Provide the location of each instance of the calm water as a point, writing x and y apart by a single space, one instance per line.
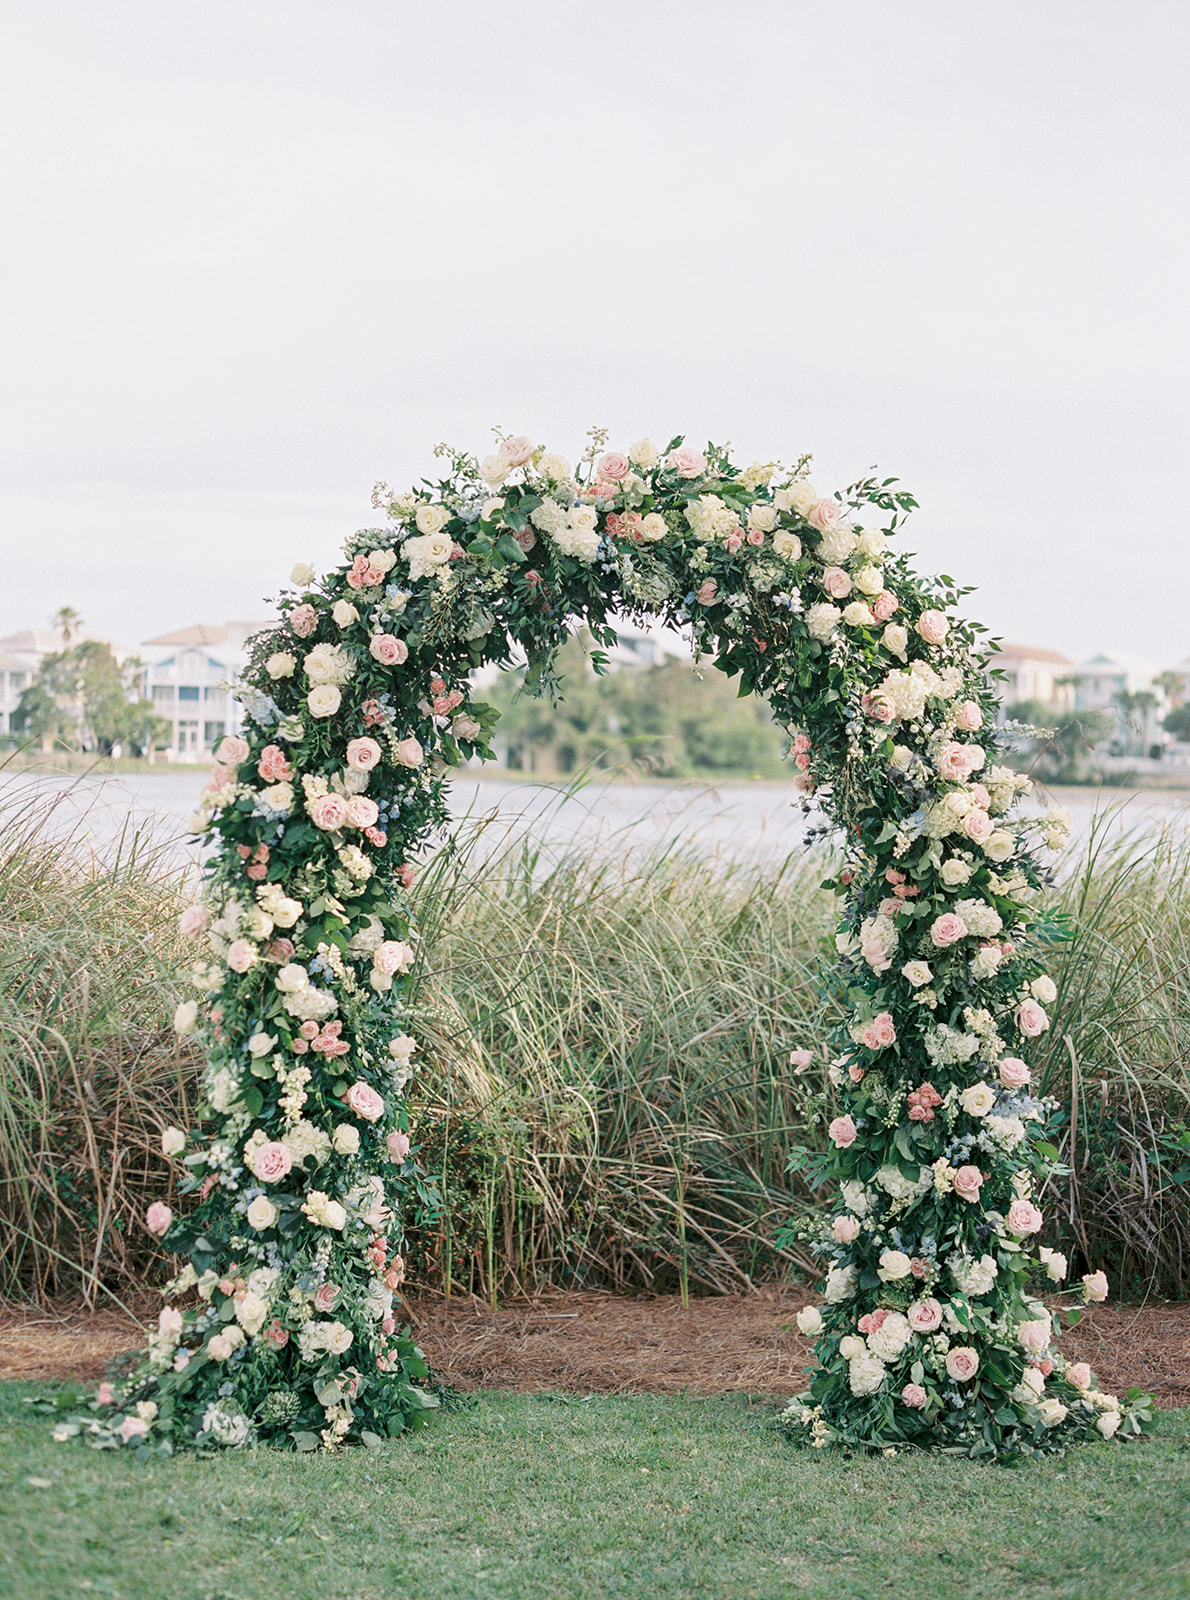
756 820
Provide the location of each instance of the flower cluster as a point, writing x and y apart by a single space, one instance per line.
281 1324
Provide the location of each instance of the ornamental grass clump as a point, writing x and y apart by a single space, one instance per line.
300 1172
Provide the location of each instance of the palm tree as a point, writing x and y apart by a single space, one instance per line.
68 623
1174 685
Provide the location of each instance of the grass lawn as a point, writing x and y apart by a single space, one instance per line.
557 1497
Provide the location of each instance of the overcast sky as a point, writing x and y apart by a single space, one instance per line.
263 252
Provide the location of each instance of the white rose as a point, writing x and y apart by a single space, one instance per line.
1108 1423
894 1265
554 466
430 519
850 1346
583 518
281 665
324 701
262 1213
1044 989
291 978
802 495
872 543
644 454
918 973
787 545
998 846
344 613
1056 1264
858 615
336 1338
869 580
653 527
346 1139
173 1141
494 469
955 872
490 508
895 640
186 1018
260 1044
251 1311
978 1100
382 560
763 516
302 574
1052 1410
278 797
810 1322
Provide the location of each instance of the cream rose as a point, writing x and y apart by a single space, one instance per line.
324 701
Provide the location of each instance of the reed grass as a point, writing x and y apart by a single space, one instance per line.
604 1094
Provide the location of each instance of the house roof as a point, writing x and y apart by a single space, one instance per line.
1029 652
199 633
46 641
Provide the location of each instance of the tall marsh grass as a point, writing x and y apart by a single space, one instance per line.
604 1094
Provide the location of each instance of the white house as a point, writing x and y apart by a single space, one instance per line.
1112 674
1031 673
188 675
21 655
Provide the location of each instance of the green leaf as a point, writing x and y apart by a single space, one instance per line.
507 547
371 1440
306 1441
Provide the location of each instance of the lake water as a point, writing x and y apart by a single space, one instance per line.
734 821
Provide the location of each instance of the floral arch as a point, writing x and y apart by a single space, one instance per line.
358 705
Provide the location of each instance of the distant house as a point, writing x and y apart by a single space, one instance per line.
21 655
189 676
1108 681
1032 673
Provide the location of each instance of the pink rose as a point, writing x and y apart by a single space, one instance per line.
884 605
232 750
924 1316
1023 1218
843 1132
364 1101
241 956
273 765
362 811
612 465
1095 1287
1014 1074
363 754
755 536
954 761
105 1395
1031 1019
329 812
978 826
969 717
1079 1374
193 920
948 929
801 743
883 1030
800 1059
276 1335
686 462
326 1297
914 1395
1035 1336
967 1183
836 583
393 955
962 1363
516 450
271 1161
526 538
388 649
397 1145
158 1218
707 590
933 627
409 753
133 1428
825 515
845 1230
303 620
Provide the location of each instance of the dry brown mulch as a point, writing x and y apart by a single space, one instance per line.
588 1342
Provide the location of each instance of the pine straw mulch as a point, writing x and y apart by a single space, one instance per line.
584 1342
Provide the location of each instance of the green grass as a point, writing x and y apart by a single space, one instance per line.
549 1498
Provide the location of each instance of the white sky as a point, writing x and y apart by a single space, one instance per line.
261 253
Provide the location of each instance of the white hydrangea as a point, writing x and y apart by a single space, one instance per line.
946 1046
865 1374
889 1340
982 920
841 1284
902 1189
822 620
711 518
549 517
310 1004
973 1278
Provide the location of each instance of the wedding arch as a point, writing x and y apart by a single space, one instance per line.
358 705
